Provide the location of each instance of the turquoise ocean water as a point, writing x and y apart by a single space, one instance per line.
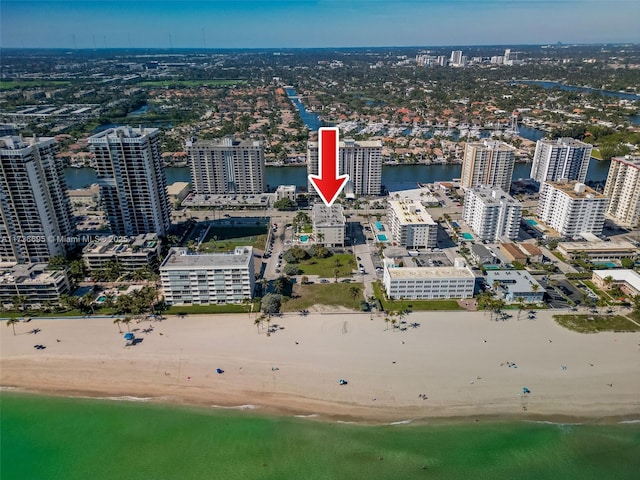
63 438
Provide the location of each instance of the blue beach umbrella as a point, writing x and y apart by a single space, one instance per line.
129 336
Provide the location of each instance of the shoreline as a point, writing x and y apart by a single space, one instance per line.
457 360
284 412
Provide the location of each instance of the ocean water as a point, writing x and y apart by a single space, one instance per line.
70 438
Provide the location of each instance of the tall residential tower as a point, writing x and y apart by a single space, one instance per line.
489 163
623 188
35 213
226 165
361 160
132 181
564 158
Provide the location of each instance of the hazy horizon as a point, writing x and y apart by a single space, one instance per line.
276 24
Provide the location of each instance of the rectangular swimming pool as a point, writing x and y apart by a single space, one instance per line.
382 237
467 236
531 222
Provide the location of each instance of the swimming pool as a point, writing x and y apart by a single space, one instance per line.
101 299
382 237
467 236
455 224
531 222
379 226
605 264
304 238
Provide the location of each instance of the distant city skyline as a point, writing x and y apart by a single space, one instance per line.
313 23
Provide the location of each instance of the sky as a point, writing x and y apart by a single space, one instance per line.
313 23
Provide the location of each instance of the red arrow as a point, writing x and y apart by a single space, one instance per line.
328 183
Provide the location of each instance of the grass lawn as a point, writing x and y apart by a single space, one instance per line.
191 83
335 294
324 267
198 309
559 256
227 239
447 304
596 323
8 85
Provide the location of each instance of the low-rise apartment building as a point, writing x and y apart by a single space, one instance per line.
598 251
428 282
329 225
627 280
33 283
204 279
513 285
132 253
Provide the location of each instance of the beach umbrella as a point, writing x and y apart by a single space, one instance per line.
219 370
129 336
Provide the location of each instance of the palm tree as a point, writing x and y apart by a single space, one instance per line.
354 292
12 323
386 321
520 301
336 272
127 321
258 322
117 322
608 280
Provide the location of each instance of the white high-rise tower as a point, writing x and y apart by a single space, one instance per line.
564 158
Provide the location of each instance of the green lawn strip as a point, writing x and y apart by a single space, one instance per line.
8 85
324 267
595 289
191 83
199 309
229 245
559 256
395 305
596 323
333 294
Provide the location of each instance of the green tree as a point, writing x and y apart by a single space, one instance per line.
354 291
627 262
284 204
12 323
126 321
271 303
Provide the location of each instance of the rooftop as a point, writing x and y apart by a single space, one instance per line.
121 132
629 276
493 196
176 188
575 189
514 280
350 143
224 142
632 161
328 216
112 245
430 272
16 143
411 212
32 273
600 246
564 141
493 145
182 258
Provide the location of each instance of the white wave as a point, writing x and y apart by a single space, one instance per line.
402 422
547 422
629 421
346 423
237 407
124 398
313 415
8 389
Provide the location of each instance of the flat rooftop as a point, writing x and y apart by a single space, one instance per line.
514 280
621 245
112 245
176 188
25 274
493 196
347 143
430 272
181 259
324 216
225 142
631 161
629 276
576 190
411 212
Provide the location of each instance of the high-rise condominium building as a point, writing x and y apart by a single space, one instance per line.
623 188
132 180
572 208
564 158
226 165
361 160
488 163
491 213
35 213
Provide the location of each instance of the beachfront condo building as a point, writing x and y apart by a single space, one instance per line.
571 208
329 224
132 180
131 253
513 285
361 160
411 225
33 285
492 213
488 163
226 166
564 158
623 188
428 282
204 279
36 221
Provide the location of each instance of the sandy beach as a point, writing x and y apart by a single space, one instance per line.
454 364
